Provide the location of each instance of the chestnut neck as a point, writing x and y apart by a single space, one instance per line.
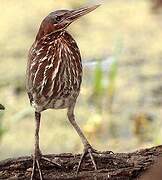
45 28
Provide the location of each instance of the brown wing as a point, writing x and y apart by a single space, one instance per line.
54 68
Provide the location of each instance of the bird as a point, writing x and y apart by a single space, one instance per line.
54 76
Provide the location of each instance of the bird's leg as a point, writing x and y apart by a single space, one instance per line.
87 147
37 152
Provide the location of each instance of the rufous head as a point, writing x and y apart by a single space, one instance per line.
61 19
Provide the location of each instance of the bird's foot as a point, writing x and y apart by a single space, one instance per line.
102 152
36 164
92 152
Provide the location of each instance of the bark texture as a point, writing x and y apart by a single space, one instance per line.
118 166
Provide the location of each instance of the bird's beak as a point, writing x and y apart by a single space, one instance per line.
77 13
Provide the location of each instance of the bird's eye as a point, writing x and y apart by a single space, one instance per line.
58 18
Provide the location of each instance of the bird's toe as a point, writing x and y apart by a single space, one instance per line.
87 151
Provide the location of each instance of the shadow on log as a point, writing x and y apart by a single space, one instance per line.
121 166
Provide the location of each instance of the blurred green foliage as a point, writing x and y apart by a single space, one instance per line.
113 73
98 79
105 77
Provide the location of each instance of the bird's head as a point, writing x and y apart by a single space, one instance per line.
61 19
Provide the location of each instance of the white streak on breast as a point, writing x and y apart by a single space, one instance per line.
58 65
36 73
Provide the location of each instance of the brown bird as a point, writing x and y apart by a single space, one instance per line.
54 75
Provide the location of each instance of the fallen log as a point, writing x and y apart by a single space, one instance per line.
121 166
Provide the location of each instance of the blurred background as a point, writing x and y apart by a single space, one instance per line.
119 107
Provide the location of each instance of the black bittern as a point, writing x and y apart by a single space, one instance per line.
54 74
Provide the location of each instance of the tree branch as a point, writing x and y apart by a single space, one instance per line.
121 166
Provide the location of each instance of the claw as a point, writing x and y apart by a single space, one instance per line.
33 170
39 169
89 150
102 152
50 161
36 163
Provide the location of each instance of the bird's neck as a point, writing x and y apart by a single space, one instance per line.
47 31
54 35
